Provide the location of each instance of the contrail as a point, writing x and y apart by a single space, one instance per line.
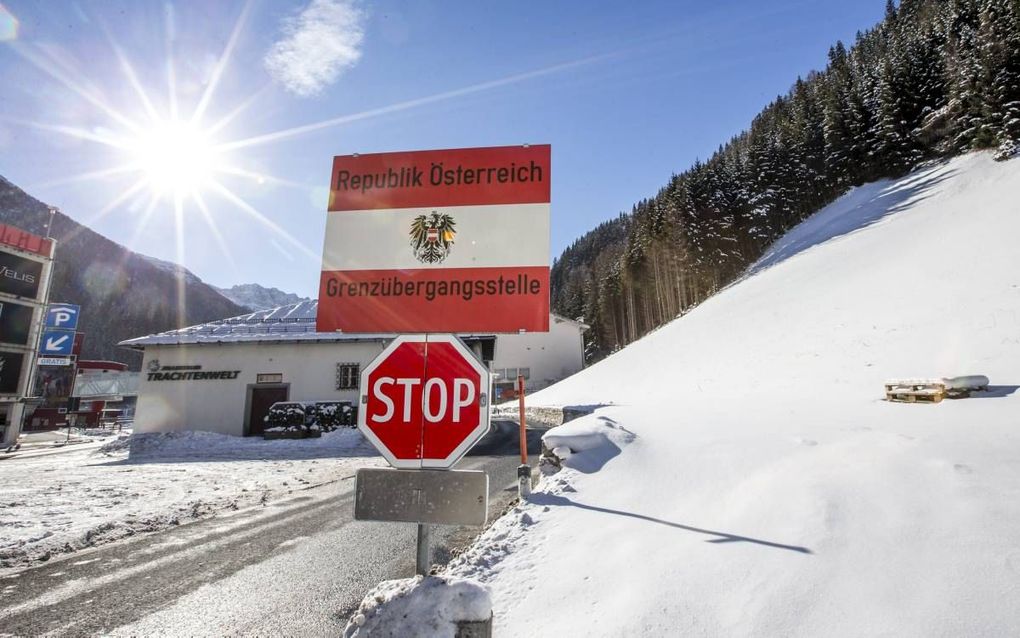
410 104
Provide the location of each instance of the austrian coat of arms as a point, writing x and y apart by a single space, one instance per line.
432 237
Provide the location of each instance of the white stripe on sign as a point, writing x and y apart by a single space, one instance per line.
486 236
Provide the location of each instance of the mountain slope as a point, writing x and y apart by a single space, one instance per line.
122 294
933 79
770 490
255 297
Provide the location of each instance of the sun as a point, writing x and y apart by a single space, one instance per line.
175 157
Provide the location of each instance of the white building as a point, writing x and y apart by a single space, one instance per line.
223 376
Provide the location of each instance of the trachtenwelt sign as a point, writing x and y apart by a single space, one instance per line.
157 372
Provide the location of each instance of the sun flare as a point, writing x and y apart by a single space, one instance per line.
175 158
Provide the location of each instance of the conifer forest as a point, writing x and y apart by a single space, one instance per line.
934 78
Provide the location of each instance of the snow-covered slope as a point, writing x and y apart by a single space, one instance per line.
769 489
256 297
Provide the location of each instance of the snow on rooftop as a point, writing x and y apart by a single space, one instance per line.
293 322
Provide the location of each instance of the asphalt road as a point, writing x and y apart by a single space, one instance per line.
294 567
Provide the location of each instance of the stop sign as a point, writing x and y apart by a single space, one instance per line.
424 401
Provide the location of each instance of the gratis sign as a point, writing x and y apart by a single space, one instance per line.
438 241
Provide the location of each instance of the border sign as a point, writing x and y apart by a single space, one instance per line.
438 241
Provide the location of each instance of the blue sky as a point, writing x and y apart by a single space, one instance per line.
627 93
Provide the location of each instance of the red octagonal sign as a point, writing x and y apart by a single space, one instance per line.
424 401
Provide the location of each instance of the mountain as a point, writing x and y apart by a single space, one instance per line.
255 297
934 79
122 294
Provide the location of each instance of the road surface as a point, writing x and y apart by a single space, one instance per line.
294 567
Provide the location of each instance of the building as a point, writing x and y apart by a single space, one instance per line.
223 376
57 403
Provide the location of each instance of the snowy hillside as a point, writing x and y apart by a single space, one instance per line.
256 297
769 490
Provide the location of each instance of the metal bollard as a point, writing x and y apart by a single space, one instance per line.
524 481
474 628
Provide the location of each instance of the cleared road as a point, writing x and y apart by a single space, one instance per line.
295 567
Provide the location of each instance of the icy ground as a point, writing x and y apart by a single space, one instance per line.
750 480
64 502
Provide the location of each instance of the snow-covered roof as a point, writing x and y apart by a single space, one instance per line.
293 322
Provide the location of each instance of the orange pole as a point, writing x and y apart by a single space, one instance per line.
520 403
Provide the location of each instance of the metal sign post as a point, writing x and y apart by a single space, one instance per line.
477 262
424 497
523 470
424 404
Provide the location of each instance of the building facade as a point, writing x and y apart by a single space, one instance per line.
223 376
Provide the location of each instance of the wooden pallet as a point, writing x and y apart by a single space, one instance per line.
915 390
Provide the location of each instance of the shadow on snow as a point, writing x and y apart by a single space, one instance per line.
720 537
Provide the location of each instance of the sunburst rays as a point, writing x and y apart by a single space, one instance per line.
166 116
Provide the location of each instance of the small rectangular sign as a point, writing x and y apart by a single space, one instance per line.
54 361
19 275
436 497
15 322
453 240
56 342
271 377
24 240
10 371
63 316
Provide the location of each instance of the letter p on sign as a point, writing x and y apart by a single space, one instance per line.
63 316
424 401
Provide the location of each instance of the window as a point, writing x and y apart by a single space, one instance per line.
347 376
525 372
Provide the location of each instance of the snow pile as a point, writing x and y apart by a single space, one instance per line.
770 489
426 607
586 444
198 445
60 503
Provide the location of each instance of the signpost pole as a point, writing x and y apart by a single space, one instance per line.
524 470
421 563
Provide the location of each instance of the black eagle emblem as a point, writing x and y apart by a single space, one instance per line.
432 237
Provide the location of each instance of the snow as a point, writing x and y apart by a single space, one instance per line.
425 607
586 444
60 503
256 297
768 488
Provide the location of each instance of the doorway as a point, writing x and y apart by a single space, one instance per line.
260 398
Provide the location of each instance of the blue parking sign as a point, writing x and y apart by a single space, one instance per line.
56 343
63 316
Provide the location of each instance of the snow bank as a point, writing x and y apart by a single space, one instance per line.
195 444
586 444
61 503
770 490
426 607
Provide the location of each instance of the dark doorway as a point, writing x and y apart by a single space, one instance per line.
262 397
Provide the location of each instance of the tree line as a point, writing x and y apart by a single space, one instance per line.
934 78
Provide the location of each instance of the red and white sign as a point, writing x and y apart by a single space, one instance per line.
438 241
424 401
24 240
